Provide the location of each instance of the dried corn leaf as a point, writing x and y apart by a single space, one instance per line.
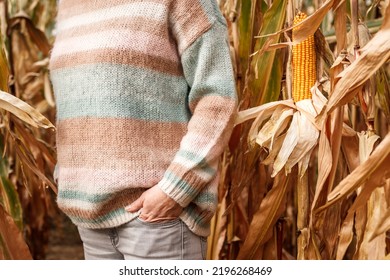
274 127
350 148
48 91
288 146
383 225
4 71
273 153
33 88
265 110
301 129
303 164
360 227
39 147
365 192
39 65
376 204
307 137
36 35
372 201
310 25
28 160
330 230
383 92
338 61
374 171
318 99
15 245
42 106
346 236
304 29
324 166
28 77
352 79
23 111
218 233
261 226
374 248
366 144
348 131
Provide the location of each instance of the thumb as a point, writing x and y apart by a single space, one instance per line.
136 205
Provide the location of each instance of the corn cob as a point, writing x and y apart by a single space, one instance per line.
304 64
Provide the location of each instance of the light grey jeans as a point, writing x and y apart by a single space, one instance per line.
137 240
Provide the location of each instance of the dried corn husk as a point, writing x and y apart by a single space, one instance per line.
287 130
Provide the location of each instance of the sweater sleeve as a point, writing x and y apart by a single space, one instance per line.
212 101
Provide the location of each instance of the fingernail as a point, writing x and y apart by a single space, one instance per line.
128 208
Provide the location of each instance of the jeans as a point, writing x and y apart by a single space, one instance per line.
140 240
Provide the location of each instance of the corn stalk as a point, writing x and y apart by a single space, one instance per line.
260 204
26 139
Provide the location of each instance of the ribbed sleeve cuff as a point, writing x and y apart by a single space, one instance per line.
181 190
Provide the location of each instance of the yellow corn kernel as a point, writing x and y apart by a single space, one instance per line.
304 64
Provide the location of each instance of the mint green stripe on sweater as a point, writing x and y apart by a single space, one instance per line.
196 218
202 198
82 196
208 69
197 160
181 186
206 198
101 219
91 90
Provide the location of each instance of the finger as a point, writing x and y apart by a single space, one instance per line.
135 206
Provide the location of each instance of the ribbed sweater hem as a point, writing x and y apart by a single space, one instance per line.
116 221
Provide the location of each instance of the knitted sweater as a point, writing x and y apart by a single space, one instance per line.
145 96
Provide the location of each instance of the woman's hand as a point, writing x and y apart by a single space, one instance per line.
155 206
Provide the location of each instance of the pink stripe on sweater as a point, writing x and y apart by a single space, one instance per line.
77 7
151 10
186 28
104 157
118 39
106 180
126 134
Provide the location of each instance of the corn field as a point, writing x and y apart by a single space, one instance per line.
306 174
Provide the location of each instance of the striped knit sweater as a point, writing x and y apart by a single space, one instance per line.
145 96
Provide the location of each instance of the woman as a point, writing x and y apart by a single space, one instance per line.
145 99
